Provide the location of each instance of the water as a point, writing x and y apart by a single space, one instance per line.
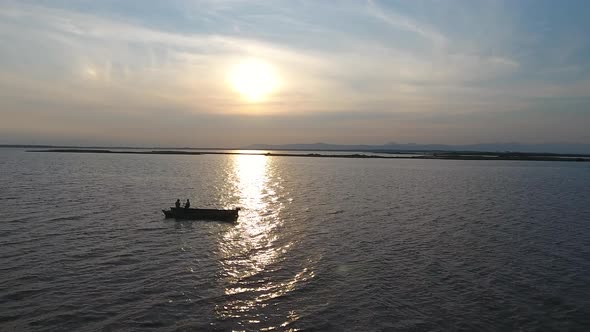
321 244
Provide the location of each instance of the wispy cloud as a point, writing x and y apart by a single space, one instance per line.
369 57
406 23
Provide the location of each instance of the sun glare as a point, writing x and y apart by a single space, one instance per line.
254 79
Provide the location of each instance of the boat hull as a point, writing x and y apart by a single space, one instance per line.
202 214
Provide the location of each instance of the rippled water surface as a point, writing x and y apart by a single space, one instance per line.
320 244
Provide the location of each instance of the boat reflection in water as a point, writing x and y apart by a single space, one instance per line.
253 253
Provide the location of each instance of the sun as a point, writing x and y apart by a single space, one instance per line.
254 79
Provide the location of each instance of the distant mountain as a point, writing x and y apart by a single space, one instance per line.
408 147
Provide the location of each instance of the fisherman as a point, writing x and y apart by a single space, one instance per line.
177 204
187 204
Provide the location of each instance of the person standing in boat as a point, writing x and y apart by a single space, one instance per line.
187 204
177 204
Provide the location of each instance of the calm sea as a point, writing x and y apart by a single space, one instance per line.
320 245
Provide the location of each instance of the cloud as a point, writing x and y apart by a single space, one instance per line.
406 23
188 67
362 58
106 56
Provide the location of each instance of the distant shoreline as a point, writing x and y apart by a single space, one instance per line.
435 155
545 149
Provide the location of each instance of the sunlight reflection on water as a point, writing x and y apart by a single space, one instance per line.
254 248
322 244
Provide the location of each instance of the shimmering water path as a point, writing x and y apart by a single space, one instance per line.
321 244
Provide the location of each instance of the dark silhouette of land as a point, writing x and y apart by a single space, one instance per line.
562 148
445 155
117 151
398 148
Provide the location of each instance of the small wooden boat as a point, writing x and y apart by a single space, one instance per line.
202 214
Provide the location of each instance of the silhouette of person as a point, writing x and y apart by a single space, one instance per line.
177 204
187 204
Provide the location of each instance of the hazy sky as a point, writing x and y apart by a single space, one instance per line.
163 73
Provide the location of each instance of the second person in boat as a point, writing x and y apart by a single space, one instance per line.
187 204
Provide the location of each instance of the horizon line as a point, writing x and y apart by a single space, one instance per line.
405 147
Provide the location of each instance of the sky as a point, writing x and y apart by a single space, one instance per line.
229 73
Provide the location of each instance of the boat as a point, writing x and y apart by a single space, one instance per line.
202 214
